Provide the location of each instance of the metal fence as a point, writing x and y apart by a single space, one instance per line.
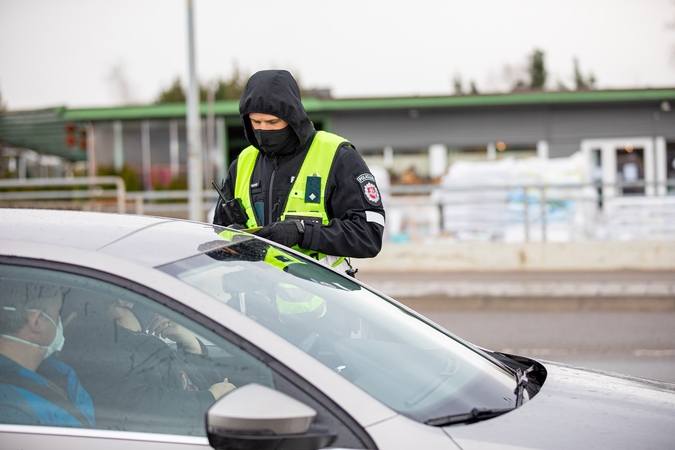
106 194
536 212
38 190
511 213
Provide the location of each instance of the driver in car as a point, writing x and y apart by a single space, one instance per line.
139 378
35 387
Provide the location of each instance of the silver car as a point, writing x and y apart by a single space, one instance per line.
185 335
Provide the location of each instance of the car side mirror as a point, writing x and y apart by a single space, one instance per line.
258 417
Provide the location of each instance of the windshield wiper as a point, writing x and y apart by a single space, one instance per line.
478 414
475 415
521 381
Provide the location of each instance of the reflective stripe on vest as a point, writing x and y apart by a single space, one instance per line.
278 258
318 162
298 303
291 300
245 164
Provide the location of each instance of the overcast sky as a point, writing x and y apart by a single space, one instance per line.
80 53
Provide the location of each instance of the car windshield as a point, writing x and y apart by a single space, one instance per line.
411 366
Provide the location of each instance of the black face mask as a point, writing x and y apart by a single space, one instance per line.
276 142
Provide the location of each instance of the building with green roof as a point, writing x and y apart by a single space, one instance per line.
394 132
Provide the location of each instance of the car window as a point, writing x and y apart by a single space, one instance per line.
127 363
414 368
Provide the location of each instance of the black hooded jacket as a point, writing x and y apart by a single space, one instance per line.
353 206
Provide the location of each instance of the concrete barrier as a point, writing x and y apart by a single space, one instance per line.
533 256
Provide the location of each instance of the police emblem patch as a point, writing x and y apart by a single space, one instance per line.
372 194
369 188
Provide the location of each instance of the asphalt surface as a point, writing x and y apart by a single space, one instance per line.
613 321
551 291
634 343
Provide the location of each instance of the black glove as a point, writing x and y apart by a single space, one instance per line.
288 232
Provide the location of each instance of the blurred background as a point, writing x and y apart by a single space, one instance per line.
525 149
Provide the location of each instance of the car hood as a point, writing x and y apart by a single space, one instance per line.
581 408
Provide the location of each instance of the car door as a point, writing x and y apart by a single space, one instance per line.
150 365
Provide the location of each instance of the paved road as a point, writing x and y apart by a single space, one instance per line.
523 277
616 321
634 343
566 290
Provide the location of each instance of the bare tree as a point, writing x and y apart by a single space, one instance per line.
581 82
119 84
457 84
514 76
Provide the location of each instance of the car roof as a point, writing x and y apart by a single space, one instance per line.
149 241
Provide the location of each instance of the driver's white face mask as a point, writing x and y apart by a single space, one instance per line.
57 342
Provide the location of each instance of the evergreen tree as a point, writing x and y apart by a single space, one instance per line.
231 88
173 94
537 70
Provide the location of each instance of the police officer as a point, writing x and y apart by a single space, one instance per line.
306 189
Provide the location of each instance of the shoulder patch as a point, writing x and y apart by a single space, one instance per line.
369 189
365 177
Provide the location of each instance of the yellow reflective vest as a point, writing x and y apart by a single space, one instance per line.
301 202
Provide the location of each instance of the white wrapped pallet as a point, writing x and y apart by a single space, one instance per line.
486 199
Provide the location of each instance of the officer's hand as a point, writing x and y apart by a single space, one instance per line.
285 233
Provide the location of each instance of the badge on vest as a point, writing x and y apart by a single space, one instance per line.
313 189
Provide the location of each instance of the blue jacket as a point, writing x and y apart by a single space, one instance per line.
19 406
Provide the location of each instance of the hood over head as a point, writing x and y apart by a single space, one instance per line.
277 93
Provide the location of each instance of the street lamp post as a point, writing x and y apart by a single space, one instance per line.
194 140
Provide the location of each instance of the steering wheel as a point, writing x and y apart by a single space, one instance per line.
444 376
311 344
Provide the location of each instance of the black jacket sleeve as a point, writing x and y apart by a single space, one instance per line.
354 203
